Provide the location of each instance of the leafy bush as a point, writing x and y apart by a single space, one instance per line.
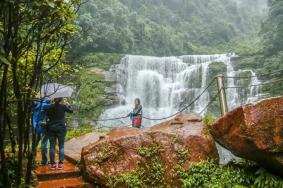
100 60
148 174
131 179
235 175
91 84
265 179
209 174
208 119
76 132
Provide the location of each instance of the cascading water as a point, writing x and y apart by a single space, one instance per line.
166 84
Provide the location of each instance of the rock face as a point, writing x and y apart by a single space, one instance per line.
254 132
148 157
74 146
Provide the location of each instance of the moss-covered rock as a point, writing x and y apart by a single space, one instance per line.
148 157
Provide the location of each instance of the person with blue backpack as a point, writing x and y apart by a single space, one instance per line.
39 127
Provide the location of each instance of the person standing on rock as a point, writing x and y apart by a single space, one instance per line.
136 114
56 130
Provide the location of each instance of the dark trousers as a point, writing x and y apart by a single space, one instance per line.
43 138
53 136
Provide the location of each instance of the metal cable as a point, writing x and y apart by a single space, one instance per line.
210 102
186 107
110 119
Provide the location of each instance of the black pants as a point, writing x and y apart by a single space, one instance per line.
54 135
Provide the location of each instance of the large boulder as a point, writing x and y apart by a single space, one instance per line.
254 132
74 146
149 157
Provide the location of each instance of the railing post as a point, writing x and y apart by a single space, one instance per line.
222 94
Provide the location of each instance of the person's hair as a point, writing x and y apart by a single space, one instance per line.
139 101
57 100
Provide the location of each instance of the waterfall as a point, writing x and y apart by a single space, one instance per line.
166 84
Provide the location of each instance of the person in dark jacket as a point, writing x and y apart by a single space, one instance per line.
136 114
39 127
56 130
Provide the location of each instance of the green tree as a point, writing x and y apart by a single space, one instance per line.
33 37
165 27
272 30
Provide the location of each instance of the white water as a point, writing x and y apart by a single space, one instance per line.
166 84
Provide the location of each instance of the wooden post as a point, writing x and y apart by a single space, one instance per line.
222 94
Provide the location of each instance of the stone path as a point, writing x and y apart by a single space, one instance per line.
69 177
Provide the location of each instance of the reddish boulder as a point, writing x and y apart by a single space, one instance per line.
254 132
74 146
148 157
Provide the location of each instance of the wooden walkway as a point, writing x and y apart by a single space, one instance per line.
69 177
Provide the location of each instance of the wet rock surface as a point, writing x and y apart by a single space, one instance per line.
254 132
74 146
152 156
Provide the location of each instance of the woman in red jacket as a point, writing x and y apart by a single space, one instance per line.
136 114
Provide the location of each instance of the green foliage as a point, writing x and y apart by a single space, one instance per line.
104 154
150 151
150 173
33 37
131 179
265 179
91 99
183 154
77 132
163 27
265 56
262 66
99 60
176 140
209 174
91 82
238 174
272 29
208 119
11 162
247 48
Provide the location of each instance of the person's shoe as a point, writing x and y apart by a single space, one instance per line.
52 166
60 166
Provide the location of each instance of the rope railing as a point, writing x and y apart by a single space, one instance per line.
190 104
167 117
210 102
110 119
184 108
196 99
